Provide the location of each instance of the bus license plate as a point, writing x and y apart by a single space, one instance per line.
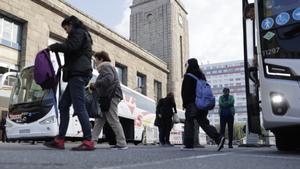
24 131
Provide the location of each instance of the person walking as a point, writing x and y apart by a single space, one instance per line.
166 108
3 128
188 94
226 111
109 91
77 72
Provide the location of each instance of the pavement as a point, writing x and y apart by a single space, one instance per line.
28 156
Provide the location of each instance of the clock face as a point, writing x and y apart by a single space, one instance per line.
180 20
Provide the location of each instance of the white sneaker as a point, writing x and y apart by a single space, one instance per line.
119 147
221 143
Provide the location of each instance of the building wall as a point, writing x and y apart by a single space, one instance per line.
161 27
232 76
41 20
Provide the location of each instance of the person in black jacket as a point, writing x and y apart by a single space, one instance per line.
166 108
77 71
188 94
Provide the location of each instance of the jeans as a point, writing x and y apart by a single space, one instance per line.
229 120
74 94
201 116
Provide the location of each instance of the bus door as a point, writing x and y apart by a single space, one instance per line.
251 69
7 81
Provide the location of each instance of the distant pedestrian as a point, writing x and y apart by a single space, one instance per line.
188 93
166 108
249 11
226 111
77 72
109 91
3 128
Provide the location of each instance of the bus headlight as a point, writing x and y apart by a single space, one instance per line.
48 120
277 99
279 103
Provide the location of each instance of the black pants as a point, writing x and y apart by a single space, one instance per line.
201 117
3 135
165 128
229 121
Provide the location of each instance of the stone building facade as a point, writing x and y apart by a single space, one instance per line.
27 26
161 27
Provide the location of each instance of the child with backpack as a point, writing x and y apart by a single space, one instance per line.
197 99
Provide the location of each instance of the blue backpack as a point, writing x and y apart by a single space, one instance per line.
205 100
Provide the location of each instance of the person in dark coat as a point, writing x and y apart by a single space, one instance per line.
166 108
77 71
188 94
3 128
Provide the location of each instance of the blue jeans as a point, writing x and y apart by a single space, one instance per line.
229 121
74 94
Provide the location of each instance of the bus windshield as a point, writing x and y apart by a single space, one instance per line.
275 7
279 28
26 90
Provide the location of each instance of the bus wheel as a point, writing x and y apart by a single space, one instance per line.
284 141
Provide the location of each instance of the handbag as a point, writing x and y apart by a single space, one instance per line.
92 105
176 118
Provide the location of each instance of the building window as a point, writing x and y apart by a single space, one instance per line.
141 83
181 55
10 33
122 73
157 90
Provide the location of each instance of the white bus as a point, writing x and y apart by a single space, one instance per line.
277 24
32 115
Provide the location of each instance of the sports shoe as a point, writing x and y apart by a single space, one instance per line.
221 143
57 143
86 145
168 145
230 146
187 148
119 147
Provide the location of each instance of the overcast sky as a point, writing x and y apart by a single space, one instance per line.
215 26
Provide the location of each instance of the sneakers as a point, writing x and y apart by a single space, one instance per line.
187 148
57 143
86 145
221 143
168 145
119 147
230 146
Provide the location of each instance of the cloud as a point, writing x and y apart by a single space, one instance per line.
215 29
123 26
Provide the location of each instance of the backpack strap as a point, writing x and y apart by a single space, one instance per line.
193 76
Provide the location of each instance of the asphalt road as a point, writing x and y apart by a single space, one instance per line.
27 156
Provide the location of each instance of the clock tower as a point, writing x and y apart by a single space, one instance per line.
161 27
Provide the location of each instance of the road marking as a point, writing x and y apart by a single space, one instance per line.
163 161
269 156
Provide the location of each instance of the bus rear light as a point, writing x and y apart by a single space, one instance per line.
279 103
48 120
